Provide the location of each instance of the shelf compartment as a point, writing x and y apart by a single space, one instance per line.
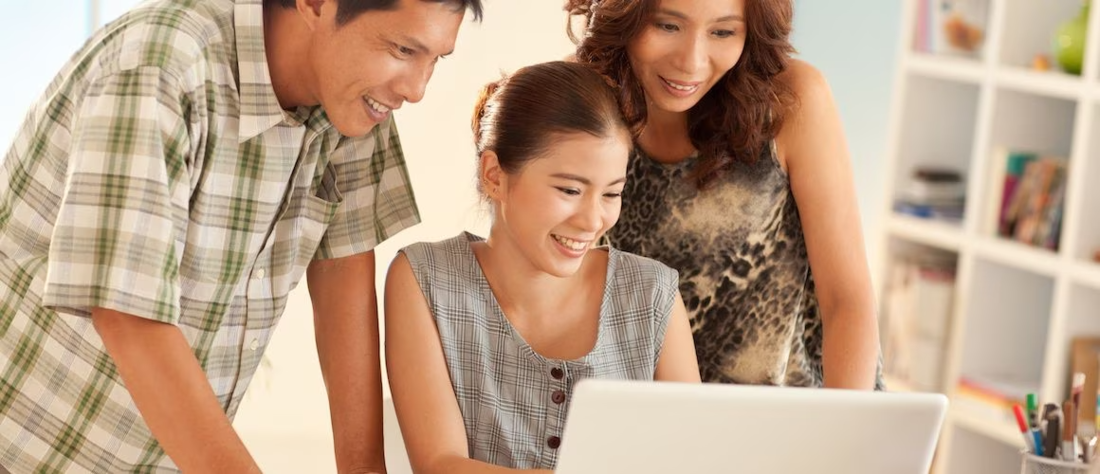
1007 316
942 115
1029 27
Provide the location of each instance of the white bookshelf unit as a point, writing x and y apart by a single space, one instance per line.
1016 307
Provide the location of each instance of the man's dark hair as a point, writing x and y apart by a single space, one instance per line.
348 10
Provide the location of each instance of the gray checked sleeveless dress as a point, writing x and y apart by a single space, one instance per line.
744 272
513 400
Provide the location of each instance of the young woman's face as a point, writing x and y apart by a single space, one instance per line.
687 47
559 205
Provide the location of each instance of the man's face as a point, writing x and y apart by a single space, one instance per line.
381 59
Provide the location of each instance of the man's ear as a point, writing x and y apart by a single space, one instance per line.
492 176
310 11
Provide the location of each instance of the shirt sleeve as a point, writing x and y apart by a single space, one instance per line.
378 197
118 236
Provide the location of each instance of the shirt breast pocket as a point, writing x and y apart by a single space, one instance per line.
299 233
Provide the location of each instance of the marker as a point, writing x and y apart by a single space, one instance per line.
1032 410
1029 440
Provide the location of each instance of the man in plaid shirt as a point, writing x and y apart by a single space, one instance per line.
180 175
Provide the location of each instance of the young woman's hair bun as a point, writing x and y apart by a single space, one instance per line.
483 106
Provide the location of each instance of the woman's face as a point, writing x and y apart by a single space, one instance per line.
687 48
555 208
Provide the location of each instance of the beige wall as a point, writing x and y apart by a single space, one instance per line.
285 416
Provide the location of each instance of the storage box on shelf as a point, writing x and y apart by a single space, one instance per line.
1022 289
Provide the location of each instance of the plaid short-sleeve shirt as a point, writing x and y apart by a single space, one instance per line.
159 177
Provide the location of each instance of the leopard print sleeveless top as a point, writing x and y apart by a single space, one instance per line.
744 272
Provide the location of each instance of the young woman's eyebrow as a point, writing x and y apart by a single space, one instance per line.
583 180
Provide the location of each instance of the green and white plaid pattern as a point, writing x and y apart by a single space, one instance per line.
159 177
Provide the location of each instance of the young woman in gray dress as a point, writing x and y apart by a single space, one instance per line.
486 338
740 180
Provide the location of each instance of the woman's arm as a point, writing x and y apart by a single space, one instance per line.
431 423
677 361
813 150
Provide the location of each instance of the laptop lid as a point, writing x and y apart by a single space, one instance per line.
654 427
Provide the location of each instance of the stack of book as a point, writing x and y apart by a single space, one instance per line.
933 193
1027 207
916 317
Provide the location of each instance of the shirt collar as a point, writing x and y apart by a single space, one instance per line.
259 108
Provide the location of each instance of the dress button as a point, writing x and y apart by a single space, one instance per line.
557 373
553 442
255 344
260 274
558 397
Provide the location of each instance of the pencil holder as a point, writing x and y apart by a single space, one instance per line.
1039 465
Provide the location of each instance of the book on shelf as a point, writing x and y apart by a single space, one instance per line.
918 303
932 192
950 27
1028 192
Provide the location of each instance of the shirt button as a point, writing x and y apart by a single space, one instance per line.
557 373
553 442
260 273
254 345
558 397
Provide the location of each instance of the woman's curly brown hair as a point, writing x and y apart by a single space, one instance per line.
739 116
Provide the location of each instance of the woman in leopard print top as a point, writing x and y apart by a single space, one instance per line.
741 180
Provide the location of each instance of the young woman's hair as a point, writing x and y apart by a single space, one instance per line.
519 116
737 118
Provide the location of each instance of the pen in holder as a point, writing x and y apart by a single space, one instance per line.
1040 465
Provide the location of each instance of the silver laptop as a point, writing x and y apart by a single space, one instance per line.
654 427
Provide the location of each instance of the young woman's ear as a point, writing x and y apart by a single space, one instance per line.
492 176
